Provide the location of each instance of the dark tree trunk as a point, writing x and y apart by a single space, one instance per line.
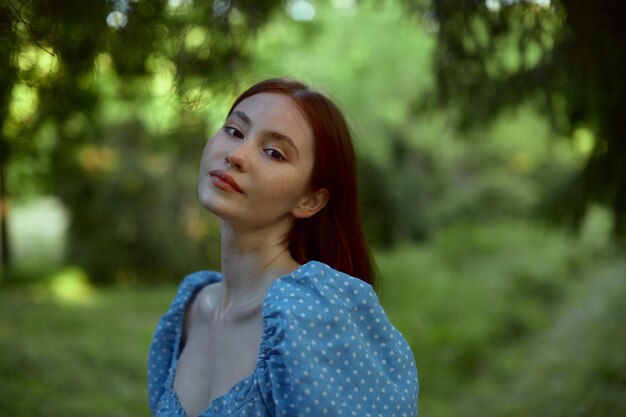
8 75
5 256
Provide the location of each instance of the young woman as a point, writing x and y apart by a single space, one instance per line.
284 329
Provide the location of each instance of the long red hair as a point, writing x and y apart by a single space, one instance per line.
335 234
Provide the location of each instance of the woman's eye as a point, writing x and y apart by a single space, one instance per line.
274 154
233 132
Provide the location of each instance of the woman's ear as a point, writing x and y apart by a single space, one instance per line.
311 204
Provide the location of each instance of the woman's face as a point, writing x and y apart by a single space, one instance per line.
255 170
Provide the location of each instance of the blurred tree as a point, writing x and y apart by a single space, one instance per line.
54 57
567 55
7 78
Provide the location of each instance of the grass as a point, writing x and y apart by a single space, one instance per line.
62 355
60 358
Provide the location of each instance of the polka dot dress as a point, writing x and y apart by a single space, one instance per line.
327 349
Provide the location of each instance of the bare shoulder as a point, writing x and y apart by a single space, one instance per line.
200 305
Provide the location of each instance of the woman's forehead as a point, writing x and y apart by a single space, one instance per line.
274 107
273 110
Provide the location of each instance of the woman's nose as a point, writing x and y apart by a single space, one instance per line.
237 158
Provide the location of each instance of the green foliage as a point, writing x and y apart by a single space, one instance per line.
509 280
573 367
141 218
494 55
78 100
509 317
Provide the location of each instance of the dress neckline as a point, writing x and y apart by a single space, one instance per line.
241 388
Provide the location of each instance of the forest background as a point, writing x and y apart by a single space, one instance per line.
490 137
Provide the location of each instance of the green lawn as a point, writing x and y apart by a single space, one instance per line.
60 359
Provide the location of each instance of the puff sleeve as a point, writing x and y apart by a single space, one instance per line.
331 350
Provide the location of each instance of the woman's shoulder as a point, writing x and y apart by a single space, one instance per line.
326 332
193 282
317 299
315 284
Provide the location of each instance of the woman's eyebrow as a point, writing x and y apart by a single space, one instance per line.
242 116
283 138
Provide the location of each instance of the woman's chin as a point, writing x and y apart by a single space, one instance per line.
217 210
210 206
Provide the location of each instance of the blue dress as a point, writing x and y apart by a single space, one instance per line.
327 349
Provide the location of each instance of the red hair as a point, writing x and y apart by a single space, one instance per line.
335 234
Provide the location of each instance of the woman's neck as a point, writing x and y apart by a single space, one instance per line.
251 261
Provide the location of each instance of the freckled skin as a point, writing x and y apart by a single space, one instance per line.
271 188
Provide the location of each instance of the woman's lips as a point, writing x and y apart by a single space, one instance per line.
224 182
